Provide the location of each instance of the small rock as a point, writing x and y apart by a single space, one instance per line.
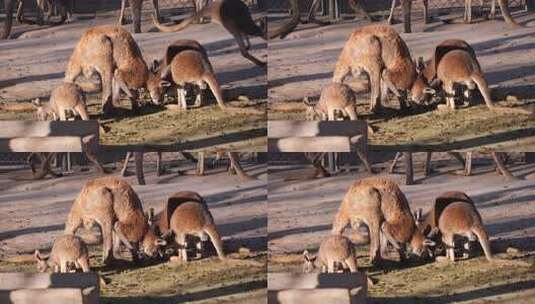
244 252
441 259
175 259
512 250
511 98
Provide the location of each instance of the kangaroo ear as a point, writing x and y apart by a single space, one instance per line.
36 102
430 91
165 83
420 64
433 232
429 243
160 242
154 66
306 101
41 257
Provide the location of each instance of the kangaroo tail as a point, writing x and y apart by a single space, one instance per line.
182 25
210 79
483 240
216 240
485 91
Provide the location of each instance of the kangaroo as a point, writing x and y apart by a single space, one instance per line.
395 3
462 219
111 52
161 220
458 66
112 204
185 62
382 206
189 216
234 16
66 97
379 51
42 17
427 81
335 96
334 250
67 250
135 7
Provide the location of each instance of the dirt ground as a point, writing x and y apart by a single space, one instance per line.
33 63
32 214
302 64
301 214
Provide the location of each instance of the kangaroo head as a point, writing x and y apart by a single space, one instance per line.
42 261
151 244
310 109
420 245
421 90
42 109
153 83
309 262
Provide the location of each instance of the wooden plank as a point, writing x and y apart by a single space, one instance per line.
311 296
291 128
311 144
282 281
409 173
45 296
42 144
10 129
81 280
138 158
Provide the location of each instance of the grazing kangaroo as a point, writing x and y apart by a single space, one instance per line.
185 62
427 81
135 8
335 96
67 250
379 51
335 250
113 54
66 97
190 216
234 16
380 204
459 66
462 219
112 204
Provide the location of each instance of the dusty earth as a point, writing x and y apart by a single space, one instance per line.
301 213
32 213
33 63
302 64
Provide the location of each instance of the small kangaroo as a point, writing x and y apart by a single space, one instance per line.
186 62
112 53
112 204
66 97
334 250
459 66
379 51
234 16
67 250
427 81
461 218
192 217
335 96
382 206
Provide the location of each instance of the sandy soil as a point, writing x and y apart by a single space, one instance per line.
33 64
302 64
32 213
301 214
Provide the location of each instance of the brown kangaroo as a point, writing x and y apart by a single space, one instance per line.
67 250
234 16
185 62
66 97
463 219
112 204
189 215
379 51
381 205
111 52
334 250
427 81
